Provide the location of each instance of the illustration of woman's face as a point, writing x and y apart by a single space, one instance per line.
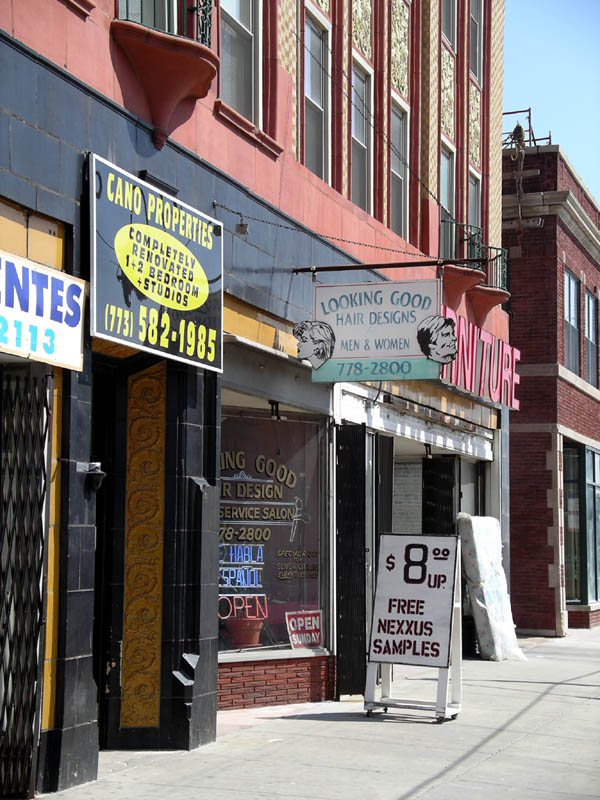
306 345
443 345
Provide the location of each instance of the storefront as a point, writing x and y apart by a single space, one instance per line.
420 467
274 548
313 471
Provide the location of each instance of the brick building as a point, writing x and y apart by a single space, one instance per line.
551 229
194 481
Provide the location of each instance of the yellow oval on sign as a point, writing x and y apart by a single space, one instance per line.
161 267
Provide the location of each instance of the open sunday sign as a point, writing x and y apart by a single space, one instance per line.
374 327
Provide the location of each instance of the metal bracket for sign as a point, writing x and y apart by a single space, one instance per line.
447 704
437 262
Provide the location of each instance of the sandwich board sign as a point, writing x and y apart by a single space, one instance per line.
416 616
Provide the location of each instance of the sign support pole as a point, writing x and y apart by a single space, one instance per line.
449 684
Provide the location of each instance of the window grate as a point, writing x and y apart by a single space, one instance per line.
24 426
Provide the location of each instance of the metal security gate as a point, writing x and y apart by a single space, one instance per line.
24 416
350 559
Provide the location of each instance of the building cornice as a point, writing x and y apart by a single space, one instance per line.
541 149
561 372
554 429
563 205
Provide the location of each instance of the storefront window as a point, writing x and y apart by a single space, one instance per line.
582 545
270 524
572 529
572 524
593 524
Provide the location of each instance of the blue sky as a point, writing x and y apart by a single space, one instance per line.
552 64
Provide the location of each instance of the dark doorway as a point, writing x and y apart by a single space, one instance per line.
350 558
109 438
440 494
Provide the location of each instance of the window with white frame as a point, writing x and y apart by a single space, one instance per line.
361 137
316 98
473 238
240 70
476 38
398 177
571 307
474 201
447 232
591 339
449 21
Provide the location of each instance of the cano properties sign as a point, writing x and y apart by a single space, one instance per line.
157 270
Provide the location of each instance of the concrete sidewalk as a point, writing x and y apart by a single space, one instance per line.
527 729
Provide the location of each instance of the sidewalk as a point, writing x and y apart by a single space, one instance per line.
528 730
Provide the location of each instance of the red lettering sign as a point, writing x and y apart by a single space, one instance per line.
484 365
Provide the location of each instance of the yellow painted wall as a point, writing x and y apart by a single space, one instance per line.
250 323
31 236
52 543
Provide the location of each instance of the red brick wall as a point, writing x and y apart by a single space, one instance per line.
584 619
531 598
533 287
538 396
537 259
555 176
578 411
278 682
546 181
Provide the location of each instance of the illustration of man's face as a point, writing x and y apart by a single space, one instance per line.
443 344
437 338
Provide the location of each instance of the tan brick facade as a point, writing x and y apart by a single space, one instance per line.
430 95
288 56
495 138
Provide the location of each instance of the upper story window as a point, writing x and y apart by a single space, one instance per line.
476 39
474 201
241 46
571 302
591 339
449 21
316 98
361 138
447 191
398 178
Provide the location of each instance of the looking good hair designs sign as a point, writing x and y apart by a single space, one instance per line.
377 331
157 270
